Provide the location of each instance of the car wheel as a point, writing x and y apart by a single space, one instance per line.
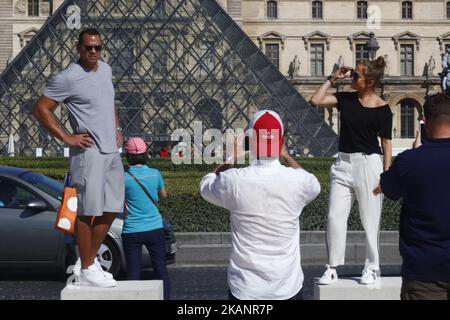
109 257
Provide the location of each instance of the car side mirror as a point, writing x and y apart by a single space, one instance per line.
36 205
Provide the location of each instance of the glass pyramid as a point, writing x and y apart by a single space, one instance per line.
174 62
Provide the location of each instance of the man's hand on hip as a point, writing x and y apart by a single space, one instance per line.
81 141
119 139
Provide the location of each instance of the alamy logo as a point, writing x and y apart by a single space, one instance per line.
74 17
73 281
373 17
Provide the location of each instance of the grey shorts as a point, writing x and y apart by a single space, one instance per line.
99 181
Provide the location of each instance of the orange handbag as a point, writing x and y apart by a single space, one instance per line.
67 213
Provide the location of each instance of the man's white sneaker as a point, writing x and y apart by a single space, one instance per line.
107 274
369 276
77 268
93 277
329 276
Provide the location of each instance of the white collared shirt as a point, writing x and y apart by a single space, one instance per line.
265 201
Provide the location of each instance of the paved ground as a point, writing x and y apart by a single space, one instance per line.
188 283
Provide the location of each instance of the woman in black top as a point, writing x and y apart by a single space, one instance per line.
364 117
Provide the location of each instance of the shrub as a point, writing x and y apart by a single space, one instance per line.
188 212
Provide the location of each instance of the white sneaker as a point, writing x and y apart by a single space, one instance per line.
329 276
369 276
107 274
93 277
77 268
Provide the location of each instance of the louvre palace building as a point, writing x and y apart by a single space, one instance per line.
218 61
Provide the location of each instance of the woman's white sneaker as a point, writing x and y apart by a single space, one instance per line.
94 277
329 276
369 276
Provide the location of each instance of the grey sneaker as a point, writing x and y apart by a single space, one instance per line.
369 276
329 276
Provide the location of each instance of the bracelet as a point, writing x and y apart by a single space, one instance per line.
330 78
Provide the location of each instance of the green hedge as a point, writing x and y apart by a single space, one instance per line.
188 212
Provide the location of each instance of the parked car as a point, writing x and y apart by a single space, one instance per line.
29 202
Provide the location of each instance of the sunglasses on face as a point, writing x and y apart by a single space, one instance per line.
355 75
89 48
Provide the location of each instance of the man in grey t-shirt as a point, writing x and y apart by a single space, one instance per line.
86 88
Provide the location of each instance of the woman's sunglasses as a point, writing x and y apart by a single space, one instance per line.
89 48
355 75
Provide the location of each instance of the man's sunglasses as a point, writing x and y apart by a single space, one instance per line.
89 48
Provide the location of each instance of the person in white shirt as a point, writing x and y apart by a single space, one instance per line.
265 200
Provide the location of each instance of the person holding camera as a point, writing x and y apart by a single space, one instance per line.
143 224
265 200
364 118
421 177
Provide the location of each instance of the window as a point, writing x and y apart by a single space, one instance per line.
273 53
362 9
160 9
272 10
121 53
159 58
13 195
210 111
406 10
207 58
407 118
131 113
46 184
407 60
448 10
33 8
317 51
361 52
317 9
49 6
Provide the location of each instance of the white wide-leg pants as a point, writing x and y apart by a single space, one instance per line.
354 175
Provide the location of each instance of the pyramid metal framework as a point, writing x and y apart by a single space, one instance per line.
174 62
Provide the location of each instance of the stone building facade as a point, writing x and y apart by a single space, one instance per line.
307 39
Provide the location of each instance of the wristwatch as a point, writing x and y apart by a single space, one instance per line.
330 78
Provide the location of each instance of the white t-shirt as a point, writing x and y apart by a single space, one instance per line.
265 201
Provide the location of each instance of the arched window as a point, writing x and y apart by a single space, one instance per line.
407 10
317 10
362 9
407 118
272 10
210 112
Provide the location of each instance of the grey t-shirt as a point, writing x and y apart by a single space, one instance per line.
89 97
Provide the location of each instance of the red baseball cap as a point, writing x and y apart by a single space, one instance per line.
269 130
135 145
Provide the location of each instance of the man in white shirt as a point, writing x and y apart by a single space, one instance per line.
265 200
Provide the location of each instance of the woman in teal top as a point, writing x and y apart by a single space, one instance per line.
143 225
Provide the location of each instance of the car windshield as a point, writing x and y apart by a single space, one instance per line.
46 184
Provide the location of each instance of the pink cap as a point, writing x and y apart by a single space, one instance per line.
135 145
